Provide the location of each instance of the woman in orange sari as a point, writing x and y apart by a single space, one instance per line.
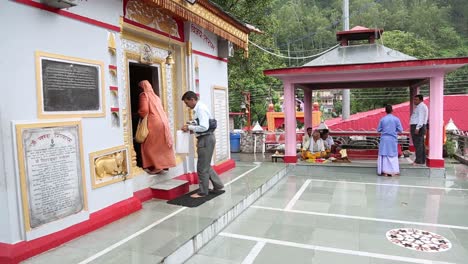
157 151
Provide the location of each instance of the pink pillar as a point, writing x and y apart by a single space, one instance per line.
414 90
290 123
307 108
436 122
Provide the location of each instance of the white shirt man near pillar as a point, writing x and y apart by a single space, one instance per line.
418 124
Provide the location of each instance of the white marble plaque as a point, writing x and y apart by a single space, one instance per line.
52 173
220 106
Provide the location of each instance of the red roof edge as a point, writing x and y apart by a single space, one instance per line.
366 66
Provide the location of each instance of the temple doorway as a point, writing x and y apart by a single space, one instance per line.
137 73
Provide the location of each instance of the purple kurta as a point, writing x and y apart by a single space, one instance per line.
389 127
387 163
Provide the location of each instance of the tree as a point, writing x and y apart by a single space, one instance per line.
298 28
410 44
246 74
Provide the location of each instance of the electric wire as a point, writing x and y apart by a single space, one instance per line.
293 58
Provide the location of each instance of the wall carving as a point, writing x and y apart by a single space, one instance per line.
152 16
207 19
170 98
109 166
198 32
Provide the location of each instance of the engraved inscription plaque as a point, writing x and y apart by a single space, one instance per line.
52 172
70 86
221 133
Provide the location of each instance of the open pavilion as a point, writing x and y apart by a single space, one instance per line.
369 65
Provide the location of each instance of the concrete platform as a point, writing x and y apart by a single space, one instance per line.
295 217
163 233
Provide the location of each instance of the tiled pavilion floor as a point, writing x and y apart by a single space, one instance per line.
313 214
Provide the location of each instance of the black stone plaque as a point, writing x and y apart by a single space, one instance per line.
70 86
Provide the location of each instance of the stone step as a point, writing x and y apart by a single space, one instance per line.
170 189
220 212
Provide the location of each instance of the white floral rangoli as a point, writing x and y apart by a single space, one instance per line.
417 239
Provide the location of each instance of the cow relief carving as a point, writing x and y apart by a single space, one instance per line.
110 165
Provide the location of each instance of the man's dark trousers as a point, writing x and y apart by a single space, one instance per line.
418 142
205 148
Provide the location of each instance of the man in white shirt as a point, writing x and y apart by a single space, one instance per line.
418 124
205 145
315 146
327 139
306 138
316 143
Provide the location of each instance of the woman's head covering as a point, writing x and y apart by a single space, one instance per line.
154 100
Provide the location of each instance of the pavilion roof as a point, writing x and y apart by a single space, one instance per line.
359 54
372 59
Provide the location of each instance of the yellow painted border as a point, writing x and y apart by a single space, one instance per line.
227 114
178 105
97 154
40 100
271 116
22 169
128 139
179 79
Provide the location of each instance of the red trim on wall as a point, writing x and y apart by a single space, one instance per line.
172 193
290 159
136 24
225 166
192 177
143 195
14 253
70 15
435 163
209 56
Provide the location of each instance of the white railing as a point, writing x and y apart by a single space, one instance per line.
362 139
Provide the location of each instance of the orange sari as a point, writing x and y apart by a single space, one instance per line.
157 151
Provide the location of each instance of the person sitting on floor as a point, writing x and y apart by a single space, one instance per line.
315 149
306 138
328 142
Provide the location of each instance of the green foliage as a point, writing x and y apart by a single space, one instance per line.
298 28
410 44
450 146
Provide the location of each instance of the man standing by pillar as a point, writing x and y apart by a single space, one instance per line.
418 123
205 145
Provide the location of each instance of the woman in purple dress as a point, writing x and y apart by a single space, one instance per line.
389 127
